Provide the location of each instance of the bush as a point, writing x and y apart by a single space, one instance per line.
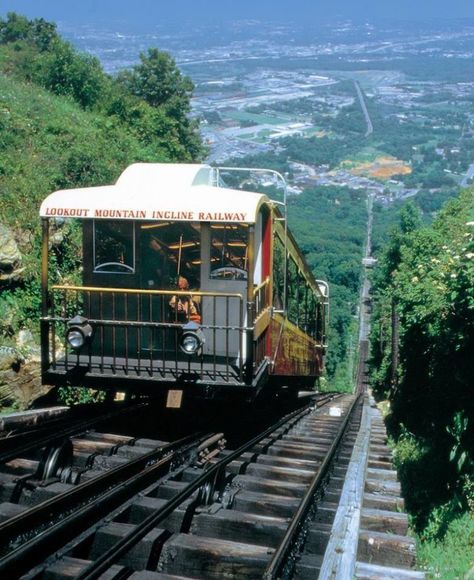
424 284
80 396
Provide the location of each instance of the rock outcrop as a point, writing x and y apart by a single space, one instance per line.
10 257
20 379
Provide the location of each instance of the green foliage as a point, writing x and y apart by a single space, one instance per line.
152 100
428 273
320 151
64 72
80 396
64 123
450 558
19 308
157 81
18 28
458 454
334 252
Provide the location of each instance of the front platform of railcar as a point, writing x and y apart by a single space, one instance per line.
177 289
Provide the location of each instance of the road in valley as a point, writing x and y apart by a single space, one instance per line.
370 127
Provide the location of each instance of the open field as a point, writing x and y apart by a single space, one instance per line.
382 167
257 118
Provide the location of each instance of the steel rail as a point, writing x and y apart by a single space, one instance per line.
280 556
10 447
108 558
23 558
53 507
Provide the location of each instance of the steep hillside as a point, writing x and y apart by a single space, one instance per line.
48 142
422 364
65 123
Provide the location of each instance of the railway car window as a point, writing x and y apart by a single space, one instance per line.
278 272
169 250
320 323
301 300
312 315
304 305
229 251
114 247
293 290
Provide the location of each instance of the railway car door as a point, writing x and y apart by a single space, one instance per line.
226 262
224 269
111 262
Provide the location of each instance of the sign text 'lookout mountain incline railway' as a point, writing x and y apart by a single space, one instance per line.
145 214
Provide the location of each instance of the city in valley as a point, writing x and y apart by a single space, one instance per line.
383 108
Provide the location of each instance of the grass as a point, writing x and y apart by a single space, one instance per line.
453 557
257 118
444 532
365 155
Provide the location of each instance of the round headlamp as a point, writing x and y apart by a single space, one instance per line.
79 332
192 338
75 338
190 343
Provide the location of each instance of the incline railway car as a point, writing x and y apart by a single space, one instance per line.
187 286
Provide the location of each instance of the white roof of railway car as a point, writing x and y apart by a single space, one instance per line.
157 191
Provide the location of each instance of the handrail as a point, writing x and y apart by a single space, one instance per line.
132 324
261 285
146 292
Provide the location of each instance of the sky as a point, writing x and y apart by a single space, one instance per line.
144 12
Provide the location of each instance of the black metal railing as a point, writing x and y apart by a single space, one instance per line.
137 333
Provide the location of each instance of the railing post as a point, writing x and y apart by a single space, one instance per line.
44 297
250 307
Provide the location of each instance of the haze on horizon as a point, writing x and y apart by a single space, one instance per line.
142 13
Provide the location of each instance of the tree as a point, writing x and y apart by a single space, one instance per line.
65 72
14 28
18 28
428 274
160 83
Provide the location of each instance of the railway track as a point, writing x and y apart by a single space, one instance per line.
36 436
29 534
255 489
152 510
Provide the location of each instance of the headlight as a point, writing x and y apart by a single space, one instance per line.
79 332
75 338
192 338
190 343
